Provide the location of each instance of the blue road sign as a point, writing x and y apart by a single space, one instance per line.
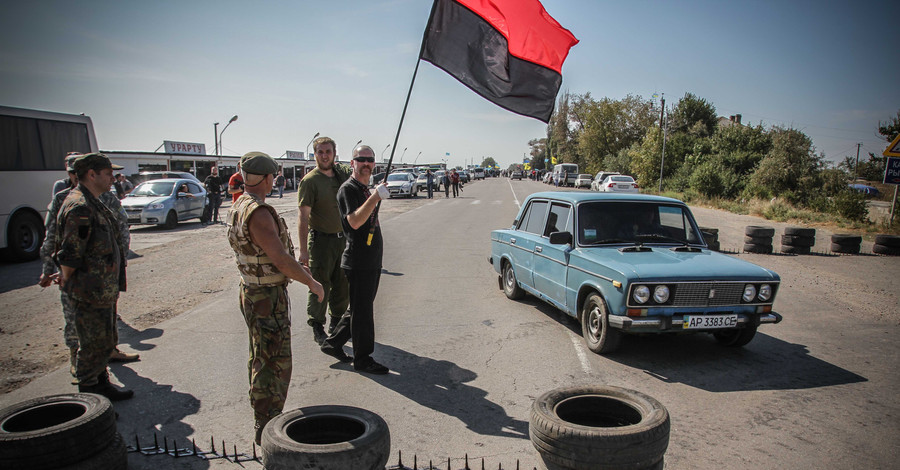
892 171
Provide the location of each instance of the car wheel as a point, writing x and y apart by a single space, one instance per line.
24 237
591 427
598 335
171 220
736 337
510 285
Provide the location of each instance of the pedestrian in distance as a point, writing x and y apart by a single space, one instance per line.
279 183
125 184
236 184
429 181
445 180
454 180
213 185
91 272
321 236
265 260
361 261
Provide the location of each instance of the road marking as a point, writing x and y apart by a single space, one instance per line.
509 181
497 202
582 355
477 201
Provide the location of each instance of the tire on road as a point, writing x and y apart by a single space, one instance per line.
326 437
753 248
846 239
797 240
800 231
892 241
845 249
508 281
24 236
595 329
759 231
599 427
796 250
885 250
171 220
113 457
758 240
735 337
56 430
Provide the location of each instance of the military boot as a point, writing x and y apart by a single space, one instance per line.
103 387
73 357
332 323
318 333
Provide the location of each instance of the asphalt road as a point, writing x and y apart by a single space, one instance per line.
816 391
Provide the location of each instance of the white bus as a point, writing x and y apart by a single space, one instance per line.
33 146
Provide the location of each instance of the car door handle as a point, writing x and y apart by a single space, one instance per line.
512 240
538 249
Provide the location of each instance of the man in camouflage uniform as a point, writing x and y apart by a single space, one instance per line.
48 269
265 259
91 273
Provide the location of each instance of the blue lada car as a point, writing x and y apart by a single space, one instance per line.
630 263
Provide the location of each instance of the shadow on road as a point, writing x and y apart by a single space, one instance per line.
18 275
135 338
441 386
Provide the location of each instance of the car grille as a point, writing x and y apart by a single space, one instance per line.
708 294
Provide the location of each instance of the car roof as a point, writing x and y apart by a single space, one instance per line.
171 180
576 197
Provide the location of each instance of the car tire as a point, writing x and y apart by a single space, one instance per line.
171 220
113 457
758 231
845 249
326 437
885 250
56 430
735 337
595 329
846 239
800 231
754 248
758 240
798 240
510 284
892 241
599 427
796 250
24 236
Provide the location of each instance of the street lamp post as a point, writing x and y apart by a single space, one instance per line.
417 158
222 149
385 152
306 157
215 137
402 154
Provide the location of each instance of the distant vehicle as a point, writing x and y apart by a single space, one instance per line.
548 177
438 175
516 175
33 147
422 182
599 177
162 202
583 181
463 176
159 175
866 189
478 173
619 184
402 184
564 174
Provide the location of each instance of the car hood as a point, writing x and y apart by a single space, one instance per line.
396 183
142 201
664 263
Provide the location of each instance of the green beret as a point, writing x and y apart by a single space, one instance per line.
258 163
94 161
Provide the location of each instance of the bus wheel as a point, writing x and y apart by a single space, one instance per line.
24 237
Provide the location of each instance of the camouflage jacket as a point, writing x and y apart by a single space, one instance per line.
87 240
108 198
255 266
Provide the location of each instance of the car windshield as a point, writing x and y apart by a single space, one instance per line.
153 188
622 179
601 223
398 177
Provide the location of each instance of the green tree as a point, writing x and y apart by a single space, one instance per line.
791 169
539 154
489 162
691 110
890 128
606 127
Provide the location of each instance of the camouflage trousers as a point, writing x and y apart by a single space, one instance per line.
69 334
267 312
325 265
95 337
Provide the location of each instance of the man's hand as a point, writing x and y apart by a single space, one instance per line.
46 280
304 258
316 288
382 191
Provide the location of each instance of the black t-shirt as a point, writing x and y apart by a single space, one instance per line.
358 255
213 184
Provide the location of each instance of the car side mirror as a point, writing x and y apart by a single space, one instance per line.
560 238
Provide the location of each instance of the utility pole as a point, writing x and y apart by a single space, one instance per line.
663 121
856 168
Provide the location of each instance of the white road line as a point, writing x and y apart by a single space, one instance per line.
582 355
477 201
509 181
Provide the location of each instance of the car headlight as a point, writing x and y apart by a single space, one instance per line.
749 293
156 206
661 294
765 292
641 294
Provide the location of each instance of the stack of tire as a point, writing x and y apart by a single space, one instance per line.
798 240
73 431
711 236
887 245
758 239
845 243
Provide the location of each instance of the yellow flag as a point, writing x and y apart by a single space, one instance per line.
553 160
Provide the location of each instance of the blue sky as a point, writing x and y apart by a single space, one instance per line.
167 70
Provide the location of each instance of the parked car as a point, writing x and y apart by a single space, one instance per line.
619 184
422 182
402 184
164 202
515 175
438 175
463 176
599 177
583 181
865 189
158 175
630 263
478 173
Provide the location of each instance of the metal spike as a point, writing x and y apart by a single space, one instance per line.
224 450
235 453
448 463
254 451
212 444
175 445
155 442
415 458
165 444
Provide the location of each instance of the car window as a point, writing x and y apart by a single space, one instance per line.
152 188
398 177
533 221
622 179
630 222
558 219
194 188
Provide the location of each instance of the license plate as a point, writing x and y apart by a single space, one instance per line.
710 321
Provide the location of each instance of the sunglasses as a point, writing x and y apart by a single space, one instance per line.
365 159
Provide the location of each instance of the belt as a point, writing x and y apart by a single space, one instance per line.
317 233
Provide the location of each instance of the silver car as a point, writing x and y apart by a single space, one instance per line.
165 202
402 184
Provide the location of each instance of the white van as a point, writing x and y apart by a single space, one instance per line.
565 174
478 173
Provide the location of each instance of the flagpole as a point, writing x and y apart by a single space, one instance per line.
387 171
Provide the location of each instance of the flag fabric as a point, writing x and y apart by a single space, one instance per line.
510 52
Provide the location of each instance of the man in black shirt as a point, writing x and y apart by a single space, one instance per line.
361 263
214 191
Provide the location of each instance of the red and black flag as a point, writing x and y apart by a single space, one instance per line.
510 52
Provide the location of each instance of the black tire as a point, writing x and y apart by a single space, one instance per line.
758 240
762 249
714 246
886 250
326 437
846 239
171 220
796 250
52 431
113 457
800 231
599 427
892 241
24 237
846 249
510 284
797 240
735 337
598 336
758 231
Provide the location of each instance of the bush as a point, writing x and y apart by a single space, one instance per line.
850 205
